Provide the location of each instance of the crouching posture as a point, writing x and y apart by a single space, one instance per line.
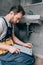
9 54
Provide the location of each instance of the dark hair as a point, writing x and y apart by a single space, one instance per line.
17 9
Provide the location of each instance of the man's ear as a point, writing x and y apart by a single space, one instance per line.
11 12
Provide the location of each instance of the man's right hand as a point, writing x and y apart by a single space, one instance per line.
13 49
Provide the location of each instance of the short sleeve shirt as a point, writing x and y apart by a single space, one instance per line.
3 28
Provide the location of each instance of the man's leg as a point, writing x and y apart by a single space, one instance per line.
20 59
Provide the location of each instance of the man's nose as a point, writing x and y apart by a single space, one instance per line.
17 21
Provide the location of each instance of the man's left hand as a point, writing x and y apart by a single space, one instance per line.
28 45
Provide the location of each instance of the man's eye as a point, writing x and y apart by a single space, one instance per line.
18 18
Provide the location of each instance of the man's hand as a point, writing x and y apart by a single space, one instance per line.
28 45
13 49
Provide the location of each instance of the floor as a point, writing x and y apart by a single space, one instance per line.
38 61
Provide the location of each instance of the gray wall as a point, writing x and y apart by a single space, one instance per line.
5 5
36 38
24 2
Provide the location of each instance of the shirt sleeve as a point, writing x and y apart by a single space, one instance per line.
1 26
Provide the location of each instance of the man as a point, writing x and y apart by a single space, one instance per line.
13 56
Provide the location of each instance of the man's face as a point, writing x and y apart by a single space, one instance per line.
16 18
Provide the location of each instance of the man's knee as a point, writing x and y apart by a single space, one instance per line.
24 58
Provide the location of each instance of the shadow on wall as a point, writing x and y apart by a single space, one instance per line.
30 12
21 30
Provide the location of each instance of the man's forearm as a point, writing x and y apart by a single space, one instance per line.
28 45
16 40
